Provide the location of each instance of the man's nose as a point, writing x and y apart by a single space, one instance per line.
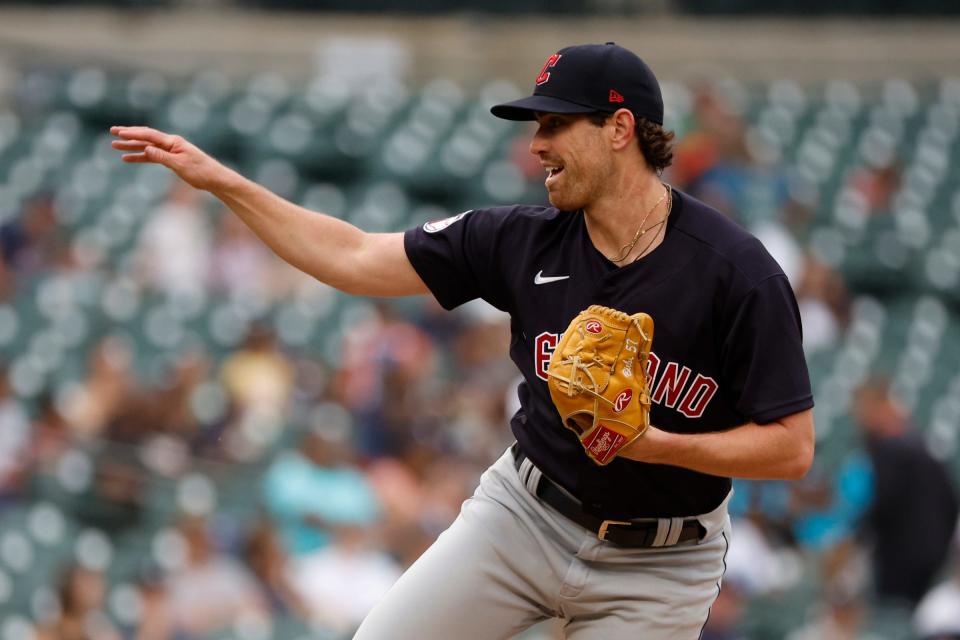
537 144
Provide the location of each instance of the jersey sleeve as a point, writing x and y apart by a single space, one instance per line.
762 355
459 258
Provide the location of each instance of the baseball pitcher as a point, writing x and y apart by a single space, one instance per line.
660 347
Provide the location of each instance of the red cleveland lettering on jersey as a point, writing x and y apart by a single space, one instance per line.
653 365
671 388
698 396
615 96
543 347
671 384
544 73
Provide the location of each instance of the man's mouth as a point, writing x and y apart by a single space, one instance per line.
553 172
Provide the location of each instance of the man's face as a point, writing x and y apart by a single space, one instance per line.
578 161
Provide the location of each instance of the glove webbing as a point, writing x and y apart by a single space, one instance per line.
574 383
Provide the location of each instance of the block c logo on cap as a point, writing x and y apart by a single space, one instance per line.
544 74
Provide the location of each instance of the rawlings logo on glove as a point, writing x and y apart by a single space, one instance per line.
597 379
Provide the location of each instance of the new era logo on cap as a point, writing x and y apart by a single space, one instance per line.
581 79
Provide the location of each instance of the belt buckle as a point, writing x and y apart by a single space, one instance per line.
602 533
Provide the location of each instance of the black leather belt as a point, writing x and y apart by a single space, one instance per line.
620 532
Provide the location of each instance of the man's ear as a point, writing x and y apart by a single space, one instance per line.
624 128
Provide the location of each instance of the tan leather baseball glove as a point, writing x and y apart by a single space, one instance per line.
598 379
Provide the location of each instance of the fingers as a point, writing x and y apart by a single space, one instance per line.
134 157
145 134
129 145
149 154
148 144
143 145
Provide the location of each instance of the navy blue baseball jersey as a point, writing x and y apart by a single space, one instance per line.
726 348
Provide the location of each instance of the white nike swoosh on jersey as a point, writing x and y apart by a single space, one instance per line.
541 279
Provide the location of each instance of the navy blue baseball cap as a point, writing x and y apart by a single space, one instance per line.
587 78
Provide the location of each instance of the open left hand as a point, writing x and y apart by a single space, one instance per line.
189 162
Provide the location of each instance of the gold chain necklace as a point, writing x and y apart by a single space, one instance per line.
627 248
662 223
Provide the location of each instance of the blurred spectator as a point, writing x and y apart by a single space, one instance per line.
725 620
8 280
174 245
900 498
440 325
139 422
50 435
212 589
164 421
317 487
721 161
29 243
784 248
14 441
938 614
447 482
711 160
343 581
766 506
311 380
476 407
259 378
824 304
81 593
842 616
843 579
913 511
755 565
401 495
421 496
95 402
155 620
115 499
176 409
264 554
827 507
877 183
241 265
384 364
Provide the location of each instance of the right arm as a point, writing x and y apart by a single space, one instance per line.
331 250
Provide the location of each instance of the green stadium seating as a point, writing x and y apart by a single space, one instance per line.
388 156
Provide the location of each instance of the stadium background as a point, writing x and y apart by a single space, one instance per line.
198 442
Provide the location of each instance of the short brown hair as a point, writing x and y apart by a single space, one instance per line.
656 143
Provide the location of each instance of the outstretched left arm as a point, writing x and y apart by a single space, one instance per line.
781 450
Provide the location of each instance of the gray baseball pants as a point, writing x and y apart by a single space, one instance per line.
510 561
